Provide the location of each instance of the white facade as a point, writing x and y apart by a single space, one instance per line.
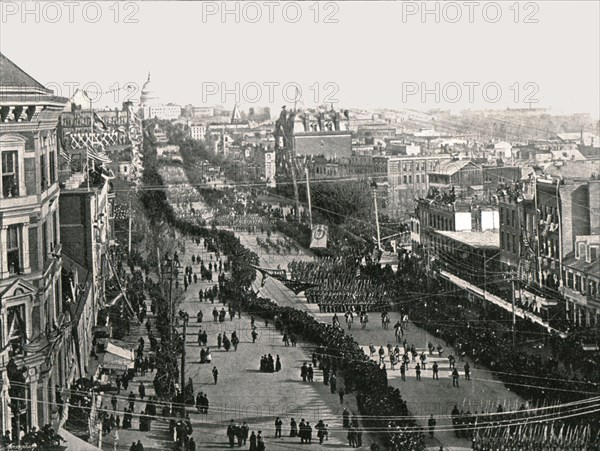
197 131
163 112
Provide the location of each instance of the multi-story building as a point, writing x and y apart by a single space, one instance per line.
544 222
581 275
499 175
319 133
197 131
34 327
375 131
407 179
86 233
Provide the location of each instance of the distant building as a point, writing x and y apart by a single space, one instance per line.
197 131
457 174
152 106
322 133
497 175
203 111
407 180
375 131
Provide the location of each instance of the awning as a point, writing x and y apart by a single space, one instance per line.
116 358
75 443
496 300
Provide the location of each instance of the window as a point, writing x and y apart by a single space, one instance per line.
16 328
578 283
404 179
514 244
580 251
514 222
12 249
44 178
52 168
410 179
10 174
56 231
570 280
593 253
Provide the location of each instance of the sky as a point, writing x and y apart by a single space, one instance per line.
458 55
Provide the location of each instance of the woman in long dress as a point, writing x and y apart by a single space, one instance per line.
293 428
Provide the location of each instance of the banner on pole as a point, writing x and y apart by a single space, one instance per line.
319 236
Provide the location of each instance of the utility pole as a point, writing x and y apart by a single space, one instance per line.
514 317
171 312
308 196
374 186
484 277
183 363
294 181
130 220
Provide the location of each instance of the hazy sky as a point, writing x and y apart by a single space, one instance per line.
357 54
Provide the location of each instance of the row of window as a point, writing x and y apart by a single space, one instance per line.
413 166
509 243
10 171
508 216
86 120
14 244
440 222
578 283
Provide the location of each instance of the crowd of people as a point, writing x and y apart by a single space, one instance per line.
270 365
250 223
338 355
337 287
284 246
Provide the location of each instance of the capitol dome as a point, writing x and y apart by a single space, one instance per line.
148 97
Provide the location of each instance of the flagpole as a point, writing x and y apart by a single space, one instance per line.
308 196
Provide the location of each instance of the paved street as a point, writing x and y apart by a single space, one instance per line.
243 393
482 392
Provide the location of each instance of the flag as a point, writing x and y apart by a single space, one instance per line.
297 286
99 123
319 236
97 155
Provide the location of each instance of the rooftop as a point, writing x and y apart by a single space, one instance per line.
482 240
451 167
576 170
13 79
